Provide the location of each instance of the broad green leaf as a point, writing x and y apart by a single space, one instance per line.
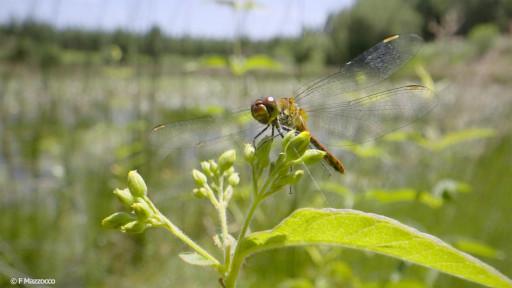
375 233
196 259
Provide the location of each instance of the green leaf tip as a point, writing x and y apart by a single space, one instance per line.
370 232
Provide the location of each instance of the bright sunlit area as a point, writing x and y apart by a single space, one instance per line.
256 143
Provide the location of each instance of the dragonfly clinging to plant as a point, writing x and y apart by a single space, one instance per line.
349 104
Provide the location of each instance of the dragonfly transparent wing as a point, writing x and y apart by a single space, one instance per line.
370 116
205 131
367 69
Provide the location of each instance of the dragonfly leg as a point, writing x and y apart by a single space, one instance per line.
278 127
288 129
259 134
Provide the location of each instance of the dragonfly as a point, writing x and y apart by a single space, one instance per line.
349 104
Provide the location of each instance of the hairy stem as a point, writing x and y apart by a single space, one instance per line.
183 237
237 260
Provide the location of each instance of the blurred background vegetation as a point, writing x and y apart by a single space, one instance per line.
77 107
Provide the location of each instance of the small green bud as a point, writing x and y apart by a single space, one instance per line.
117 220
134 227
142 209
227 159
124 196
298 145
249 152
312 156
136 184
214 168
206 167
234 179
199 177
200 192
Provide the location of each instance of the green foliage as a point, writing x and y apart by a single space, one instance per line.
241 65
442 142
378 19
483 36
448 189
478 248
22 51
365 150
50 56
453 138
403 195
153 44
349 32
375 233
217 180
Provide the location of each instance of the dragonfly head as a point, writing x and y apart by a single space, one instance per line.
264 110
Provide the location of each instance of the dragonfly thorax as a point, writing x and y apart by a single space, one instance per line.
291 115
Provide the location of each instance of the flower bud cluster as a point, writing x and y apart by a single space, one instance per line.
141 213
294 151
216 179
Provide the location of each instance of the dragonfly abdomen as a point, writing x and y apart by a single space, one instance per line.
329 157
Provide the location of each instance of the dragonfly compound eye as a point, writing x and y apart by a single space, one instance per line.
259 112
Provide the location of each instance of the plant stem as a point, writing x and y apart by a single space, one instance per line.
212 197
183 237
254 181
224 230
237 260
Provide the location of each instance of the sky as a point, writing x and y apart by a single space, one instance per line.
186 17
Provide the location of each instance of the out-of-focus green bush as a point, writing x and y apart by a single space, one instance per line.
50 55
353 31
484 36
22 50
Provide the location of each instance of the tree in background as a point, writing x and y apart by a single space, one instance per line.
352 31
349 32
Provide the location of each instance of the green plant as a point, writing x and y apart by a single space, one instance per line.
217 181
483 36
